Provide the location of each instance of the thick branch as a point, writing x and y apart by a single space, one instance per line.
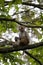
13 20
18 48
32 4
33 57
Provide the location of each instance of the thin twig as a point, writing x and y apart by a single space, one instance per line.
32 4
33 57
19 12
25 3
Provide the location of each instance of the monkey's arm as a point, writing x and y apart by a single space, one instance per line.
16 38
27 36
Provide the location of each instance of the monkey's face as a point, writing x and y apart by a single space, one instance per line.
21 29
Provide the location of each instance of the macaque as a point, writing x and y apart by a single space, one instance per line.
23 37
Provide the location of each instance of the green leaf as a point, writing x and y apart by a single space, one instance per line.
16 7
17 1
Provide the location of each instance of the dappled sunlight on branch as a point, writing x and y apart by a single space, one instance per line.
18 48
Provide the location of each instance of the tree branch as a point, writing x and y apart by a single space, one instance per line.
33 57
20 12
13 20
32 4
25 3
18 48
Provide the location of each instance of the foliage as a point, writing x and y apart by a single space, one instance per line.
15 58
